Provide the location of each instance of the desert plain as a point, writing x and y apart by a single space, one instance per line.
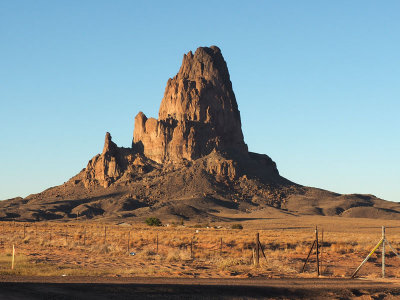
193 250
98 251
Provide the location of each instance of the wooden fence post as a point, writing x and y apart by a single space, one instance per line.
105 234
84 236
191 249
220 249
157 243
13 257
257 262
322 247
383 251
316 239
129 239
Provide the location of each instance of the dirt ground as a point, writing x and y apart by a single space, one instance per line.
184 288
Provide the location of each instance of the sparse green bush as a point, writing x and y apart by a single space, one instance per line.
153 221
200 226
237 226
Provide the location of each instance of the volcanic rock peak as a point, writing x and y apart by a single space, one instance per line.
198 113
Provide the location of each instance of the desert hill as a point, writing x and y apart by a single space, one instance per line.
190 163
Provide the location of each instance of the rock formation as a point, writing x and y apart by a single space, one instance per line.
198 113
112 164
191 162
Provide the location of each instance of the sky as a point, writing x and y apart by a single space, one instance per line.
317 83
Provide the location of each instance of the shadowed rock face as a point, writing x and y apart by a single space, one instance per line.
198 113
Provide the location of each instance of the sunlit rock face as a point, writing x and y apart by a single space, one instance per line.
198 113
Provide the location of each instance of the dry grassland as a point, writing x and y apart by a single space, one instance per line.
193 250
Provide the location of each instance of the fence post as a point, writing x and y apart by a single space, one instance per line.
220 249
383 251
105 234
157 243
24 230
257 249
191 248
13 257
322 247
316 239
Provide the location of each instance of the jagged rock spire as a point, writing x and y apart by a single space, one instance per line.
198 112
109 145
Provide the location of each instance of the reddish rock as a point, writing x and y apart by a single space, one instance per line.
103 169
198 118
198 113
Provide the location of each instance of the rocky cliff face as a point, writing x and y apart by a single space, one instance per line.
198 113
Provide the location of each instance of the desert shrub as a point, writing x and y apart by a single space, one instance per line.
177 255
200 226
227 263
104 249
153 221
237 226
77 236
148 252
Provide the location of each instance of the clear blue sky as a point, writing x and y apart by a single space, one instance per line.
317 83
